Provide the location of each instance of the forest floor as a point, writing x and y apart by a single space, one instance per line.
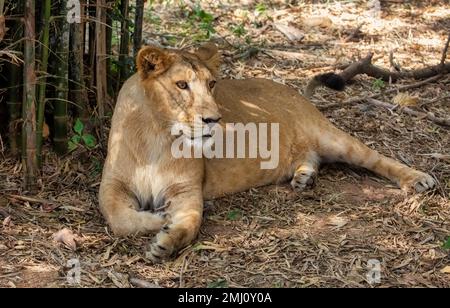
270 236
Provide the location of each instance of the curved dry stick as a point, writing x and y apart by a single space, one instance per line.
365 66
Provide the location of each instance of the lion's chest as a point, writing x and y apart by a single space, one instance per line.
147 183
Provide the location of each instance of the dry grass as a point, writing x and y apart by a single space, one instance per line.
269 237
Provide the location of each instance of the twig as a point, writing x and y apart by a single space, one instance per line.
444 52
414 85
434 100
430 116
355 32
250 53
29 199
396 66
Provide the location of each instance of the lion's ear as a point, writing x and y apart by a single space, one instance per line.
209 55
153 61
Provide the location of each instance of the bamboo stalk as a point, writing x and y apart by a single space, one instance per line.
78 92
14 105
109 36
14 102
124 42
91 42
101 58
62 83
29 158
138 23
42 85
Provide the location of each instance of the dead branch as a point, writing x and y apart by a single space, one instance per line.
365 66
430 116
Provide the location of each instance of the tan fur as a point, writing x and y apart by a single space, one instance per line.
140 172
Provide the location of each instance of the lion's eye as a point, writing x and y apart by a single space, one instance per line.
212 84
182 85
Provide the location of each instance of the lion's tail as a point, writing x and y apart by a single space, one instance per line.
329 80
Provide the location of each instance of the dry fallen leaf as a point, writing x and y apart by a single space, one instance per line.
292 33
66 237
45 131
7 222
446 270
404 99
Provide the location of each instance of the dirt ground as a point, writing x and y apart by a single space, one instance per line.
270 236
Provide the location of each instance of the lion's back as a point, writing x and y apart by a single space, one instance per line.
262 100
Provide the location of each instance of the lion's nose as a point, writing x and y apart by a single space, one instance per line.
211 120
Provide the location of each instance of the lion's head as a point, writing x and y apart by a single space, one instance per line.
184 84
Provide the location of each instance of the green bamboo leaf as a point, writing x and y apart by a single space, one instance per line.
89 141
78 127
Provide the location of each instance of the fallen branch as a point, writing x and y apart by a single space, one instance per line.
365 66
430 116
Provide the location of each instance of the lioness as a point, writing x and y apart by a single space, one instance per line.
145 189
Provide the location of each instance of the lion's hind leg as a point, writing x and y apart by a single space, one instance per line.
337 146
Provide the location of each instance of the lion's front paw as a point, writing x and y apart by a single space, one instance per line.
162 247
418 181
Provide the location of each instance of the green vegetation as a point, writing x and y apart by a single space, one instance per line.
81 138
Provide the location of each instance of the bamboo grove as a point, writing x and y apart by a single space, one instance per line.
62 63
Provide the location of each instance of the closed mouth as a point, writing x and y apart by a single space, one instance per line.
204 136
